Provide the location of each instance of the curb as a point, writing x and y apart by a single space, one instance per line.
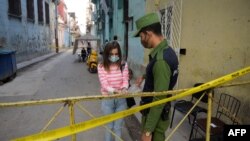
24 64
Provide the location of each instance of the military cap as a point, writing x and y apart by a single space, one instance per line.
145 21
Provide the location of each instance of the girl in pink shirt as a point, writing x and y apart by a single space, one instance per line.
114 80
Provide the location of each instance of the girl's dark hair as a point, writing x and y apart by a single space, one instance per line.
155 28
107 49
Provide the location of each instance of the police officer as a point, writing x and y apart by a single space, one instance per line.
161 75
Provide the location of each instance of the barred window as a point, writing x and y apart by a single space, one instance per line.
166 19
47 13
15 8
30 10
169 21
40 11
163 21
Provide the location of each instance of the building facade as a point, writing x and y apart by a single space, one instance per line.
28 27
90 18
210 39
63 25
74 28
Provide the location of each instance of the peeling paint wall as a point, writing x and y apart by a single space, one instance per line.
29 39
216 35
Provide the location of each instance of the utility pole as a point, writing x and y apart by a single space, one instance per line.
56 25
126 19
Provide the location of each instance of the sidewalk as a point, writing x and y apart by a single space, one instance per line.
21 85
24 64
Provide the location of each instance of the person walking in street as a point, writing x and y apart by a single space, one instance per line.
161 75
114 80
89 48
83 54
103 46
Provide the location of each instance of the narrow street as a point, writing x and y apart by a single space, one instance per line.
57 77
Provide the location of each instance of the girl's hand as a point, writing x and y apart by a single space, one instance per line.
124 91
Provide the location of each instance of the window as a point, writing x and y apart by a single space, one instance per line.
40 11
30 10
47 13
169 21
15 8
163 21
166 19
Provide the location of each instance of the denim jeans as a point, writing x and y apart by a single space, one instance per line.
110 106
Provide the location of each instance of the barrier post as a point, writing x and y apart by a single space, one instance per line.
209 113
72 117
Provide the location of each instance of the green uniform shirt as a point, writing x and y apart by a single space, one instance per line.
161 75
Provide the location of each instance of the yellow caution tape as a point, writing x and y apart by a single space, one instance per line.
95 97
81 98
73 129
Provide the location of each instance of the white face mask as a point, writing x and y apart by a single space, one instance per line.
114 58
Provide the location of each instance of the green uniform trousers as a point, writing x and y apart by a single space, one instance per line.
160 129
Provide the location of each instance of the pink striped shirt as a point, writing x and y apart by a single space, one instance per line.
113 80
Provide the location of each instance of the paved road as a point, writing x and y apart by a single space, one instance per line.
59 76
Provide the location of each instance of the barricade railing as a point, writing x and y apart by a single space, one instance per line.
83 126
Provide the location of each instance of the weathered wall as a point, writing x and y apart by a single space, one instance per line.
27 38
216 35
118 26
135 49
156 5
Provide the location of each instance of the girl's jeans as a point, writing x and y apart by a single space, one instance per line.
110 106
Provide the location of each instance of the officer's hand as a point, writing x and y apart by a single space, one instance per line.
146 138
139 81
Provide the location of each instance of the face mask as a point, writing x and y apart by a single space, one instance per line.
114 58
145 42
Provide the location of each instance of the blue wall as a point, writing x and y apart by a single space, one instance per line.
118 25
114 26
29 39
135 49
